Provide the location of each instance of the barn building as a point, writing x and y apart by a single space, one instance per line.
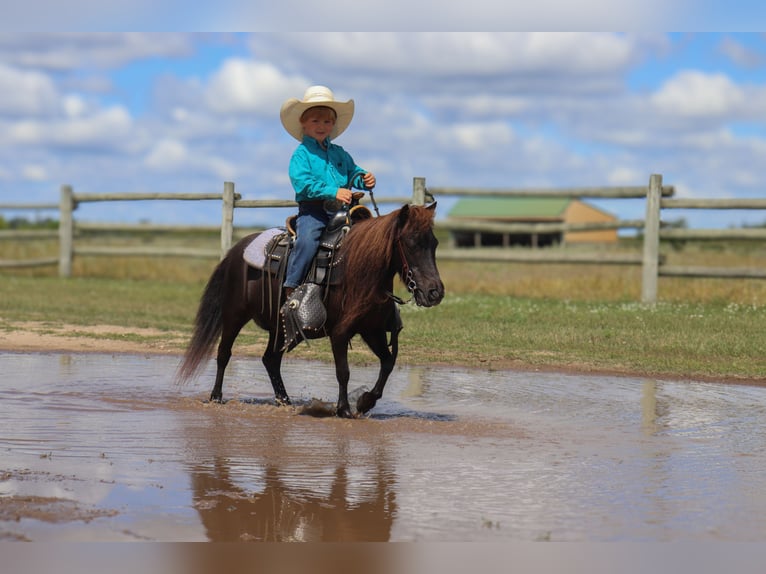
529 210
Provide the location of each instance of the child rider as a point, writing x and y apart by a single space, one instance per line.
319 170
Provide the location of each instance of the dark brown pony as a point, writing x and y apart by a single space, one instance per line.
373 253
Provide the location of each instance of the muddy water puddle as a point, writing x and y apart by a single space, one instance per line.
107 447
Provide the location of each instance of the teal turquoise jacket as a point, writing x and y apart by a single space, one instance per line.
317 173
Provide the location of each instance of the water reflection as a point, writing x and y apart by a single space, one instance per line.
448 454
278 487
278 513
649 407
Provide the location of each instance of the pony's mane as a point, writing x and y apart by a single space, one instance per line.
369 247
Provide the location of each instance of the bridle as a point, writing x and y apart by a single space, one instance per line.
409 279
407 276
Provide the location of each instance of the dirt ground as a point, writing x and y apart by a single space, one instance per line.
40 337
30 336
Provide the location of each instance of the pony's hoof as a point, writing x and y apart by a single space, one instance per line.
344 412
366 402
283 401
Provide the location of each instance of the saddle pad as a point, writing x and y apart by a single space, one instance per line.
255 252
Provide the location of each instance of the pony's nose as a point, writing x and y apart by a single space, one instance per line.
435 296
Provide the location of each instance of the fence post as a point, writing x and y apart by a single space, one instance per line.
651 260
418 190
66 231
227 224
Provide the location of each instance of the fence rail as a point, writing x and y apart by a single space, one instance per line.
702 234
538 256
28 206
91 197
755 234
657 196
28 234
492 227
623 192
683 203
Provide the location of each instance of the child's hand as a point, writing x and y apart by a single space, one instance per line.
369 180
343 195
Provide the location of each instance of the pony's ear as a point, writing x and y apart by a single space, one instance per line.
404 214
432 207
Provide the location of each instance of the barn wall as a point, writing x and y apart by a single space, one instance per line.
579 212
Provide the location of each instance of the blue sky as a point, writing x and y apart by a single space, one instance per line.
180 111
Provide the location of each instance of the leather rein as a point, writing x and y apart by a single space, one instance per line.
407 276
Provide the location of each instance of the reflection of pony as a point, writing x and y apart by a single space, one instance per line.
372 254
231 513
299 481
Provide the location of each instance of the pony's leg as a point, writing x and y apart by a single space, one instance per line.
229 332
272 360
377 343
342 373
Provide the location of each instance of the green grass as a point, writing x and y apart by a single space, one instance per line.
77 301
494 316
476 329
668 338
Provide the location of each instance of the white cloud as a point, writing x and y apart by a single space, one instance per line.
472 55
380 15
34 172
223 169
707 140
245 86
412 17
174 156
25 92
74 106
624 175
692 93
486 104
68 51
181 114
110 128
478 137
167 154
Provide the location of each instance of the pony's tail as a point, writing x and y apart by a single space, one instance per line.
207 325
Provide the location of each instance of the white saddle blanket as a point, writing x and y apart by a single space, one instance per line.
255 252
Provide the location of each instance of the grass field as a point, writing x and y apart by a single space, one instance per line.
494 315
572 282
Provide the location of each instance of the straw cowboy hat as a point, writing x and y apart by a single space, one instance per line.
293 109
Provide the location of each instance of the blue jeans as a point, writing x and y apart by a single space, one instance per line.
311 221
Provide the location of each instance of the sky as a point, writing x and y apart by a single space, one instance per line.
185 112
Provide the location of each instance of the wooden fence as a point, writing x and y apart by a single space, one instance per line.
657 197
28 234
69 202
68 227
650 259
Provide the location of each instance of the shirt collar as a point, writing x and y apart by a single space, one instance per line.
311 142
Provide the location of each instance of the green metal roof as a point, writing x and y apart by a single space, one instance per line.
510 207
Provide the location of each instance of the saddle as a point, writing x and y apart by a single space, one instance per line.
324 268
304 314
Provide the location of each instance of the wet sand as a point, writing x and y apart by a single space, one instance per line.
105 447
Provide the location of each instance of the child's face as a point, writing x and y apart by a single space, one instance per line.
318 124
